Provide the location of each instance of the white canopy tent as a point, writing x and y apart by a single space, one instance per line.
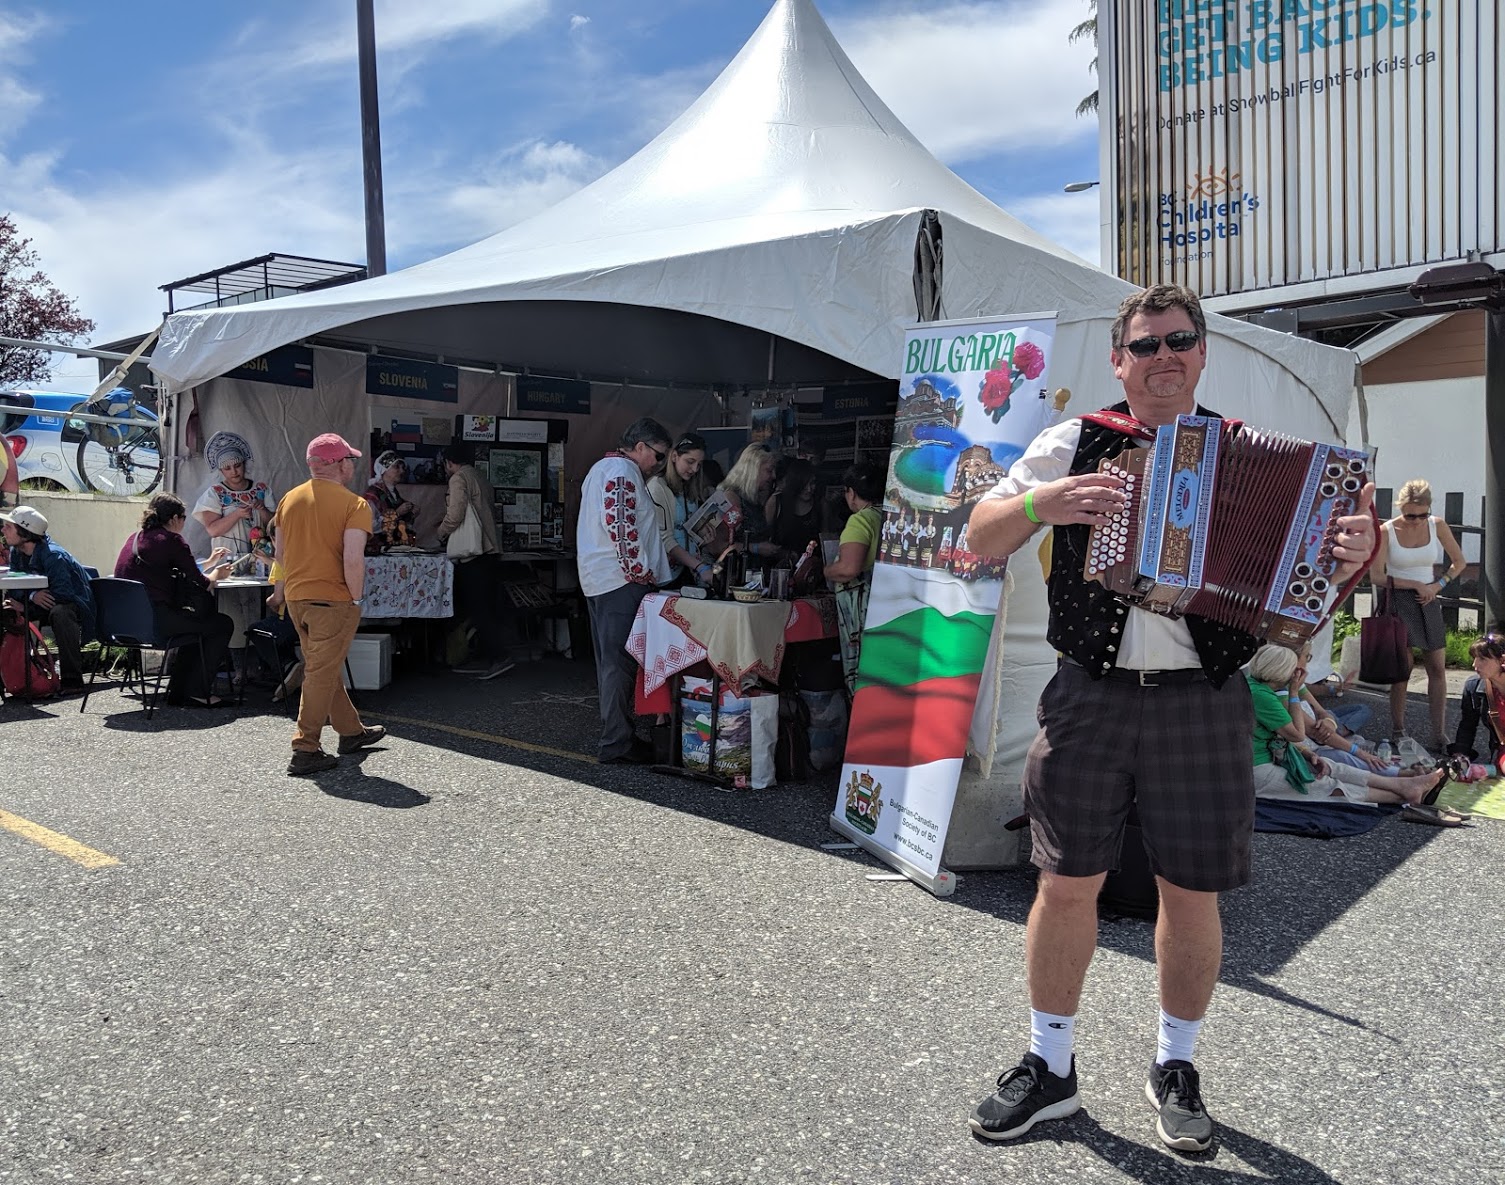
783 231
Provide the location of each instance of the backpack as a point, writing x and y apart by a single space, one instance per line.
28 668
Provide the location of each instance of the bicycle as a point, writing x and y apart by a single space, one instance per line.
123 458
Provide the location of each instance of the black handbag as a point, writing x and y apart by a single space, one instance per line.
1384 647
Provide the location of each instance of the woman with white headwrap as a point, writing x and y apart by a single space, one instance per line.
233 503
386 471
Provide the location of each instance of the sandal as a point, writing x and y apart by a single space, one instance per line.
1434 816
1454 768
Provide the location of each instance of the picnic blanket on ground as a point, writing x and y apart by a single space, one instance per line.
1318 820
1486 798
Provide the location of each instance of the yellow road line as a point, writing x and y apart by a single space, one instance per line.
54 842
472 734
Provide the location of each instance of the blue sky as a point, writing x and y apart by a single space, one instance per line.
143 143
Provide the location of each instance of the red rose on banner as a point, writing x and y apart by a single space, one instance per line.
997 386
1029 359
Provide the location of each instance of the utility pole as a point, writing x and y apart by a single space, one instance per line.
376 222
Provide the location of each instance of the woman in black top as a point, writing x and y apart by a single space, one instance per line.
793 513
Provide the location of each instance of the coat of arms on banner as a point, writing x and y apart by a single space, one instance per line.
864 802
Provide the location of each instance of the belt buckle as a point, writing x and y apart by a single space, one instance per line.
1143 682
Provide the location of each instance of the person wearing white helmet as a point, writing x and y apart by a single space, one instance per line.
67 603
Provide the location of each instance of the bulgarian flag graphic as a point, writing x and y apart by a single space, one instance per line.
923 650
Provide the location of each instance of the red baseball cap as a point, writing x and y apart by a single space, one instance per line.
330 447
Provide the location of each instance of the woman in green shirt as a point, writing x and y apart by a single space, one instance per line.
851 573
1275 678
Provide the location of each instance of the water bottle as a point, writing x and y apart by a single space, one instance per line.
1382 751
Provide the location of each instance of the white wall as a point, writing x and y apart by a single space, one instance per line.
92 528
1432 430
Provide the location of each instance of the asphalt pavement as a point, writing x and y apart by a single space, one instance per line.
473 955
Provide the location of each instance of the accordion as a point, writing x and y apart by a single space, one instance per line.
1229 523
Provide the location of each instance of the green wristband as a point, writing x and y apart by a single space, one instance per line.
1029 508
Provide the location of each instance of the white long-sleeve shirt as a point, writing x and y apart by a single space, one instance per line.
619 539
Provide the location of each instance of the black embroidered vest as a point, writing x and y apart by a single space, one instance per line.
1086 620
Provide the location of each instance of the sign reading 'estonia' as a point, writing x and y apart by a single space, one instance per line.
971 398
539 393
289 366
403 378
858 399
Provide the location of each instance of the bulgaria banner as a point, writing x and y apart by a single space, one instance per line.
972 396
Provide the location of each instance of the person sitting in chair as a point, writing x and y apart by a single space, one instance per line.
67 603
182 598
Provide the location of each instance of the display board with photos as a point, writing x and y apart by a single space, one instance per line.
523 459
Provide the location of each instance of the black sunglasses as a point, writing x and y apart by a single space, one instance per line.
1423 514
657 456
1180 341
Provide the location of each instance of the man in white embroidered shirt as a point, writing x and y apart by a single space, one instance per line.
620 552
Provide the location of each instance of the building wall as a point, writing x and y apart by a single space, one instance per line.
1453 349
1432 430
91 528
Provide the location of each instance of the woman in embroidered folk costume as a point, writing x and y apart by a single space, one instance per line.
392 515
232 504
1412 544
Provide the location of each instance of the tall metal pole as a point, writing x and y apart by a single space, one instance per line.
376 222
1493 559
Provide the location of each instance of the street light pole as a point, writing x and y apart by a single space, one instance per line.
376 223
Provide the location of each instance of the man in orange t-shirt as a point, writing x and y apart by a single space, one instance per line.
321 544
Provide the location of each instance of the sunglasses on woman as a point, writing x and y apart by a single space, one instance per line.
1179 341
1423 514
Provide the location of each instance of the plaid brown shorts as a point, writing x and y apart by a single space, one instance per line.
1181 751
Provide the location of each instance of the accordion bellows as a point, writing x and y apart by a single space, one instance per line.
1229 523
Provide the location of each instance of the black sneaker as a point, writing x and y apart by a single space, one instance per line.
1026 1095
360 740
1175 1090
641 753
304 763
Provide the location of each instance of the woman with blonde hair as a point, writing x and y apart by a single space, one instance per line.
1275 678
748 485
1412 544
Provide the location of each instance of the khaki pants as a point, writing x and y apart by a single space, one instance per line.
325 630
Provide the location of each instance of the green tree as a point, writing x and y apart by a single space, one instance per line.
31 308
1087 28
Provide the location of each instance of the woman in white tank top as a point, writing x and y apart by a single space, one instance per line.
1411 546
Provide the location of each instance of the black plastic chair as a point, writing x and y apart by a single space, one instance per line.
274 643
126 622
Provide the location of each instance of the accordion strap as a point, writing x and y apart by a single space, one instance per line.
1118 422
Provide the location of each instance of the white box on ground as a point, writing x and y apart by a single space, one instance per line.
370 662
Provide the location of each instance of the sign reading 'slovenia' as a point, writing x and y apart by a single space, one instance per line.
971 397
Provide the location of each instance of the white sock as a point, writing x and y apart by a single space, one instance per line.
1178 1039
1051 1037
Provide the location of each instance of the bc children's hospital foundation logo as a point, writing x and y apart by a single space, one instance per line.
1214 207
864 802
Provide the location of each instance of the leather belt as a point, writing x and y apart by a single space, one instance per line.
1173 678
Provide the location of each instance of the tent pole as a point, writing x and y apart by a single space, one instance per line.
376 225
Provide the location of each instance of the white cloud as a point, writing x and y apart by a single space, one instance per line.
518 185
973 79
1070 219
578 22
17 100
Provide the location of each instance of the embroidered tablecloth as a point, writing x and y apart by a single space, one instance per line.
410 585
742 643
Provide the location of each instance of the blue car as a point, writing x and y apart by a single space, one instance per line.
57 450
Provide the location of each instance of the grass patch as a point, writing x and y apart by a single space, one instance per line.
1346 625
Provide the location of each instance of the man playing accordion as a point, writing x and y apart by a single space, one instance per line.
1143 711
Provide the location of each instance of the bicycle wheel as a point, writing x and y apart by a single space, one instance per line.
127 465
